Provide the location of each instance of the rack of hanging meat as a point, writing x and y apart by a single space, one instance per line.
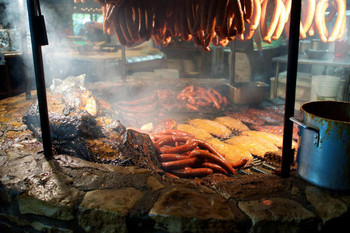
218 22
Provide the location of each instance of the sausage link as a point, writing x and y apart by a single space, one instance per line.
148 4
197 18
213 99
224 98
310 9
248 4
123 25
220 12
172 157
210 27
320 23
203 154
178 149
191 107
204 13
281 23
274 21
192 172
118 31
288 6
190 14
239 163
171 175
239 16
263 18
129 14
179 164
312 29
217 95
205 145
255 19
214 166
341 11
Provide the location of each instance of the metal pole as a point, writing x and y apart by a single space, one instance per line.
39 38
232 68
292 65
123 68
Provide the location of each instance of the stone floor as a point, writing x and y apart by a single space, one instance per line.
67 194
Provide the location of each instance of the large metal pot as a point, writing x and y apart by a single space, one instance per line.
324 145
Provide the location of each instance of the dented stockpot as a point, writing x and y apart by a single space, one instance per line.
323 156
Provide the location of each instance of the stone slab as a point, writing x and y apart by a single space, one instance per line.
187 210
277 215
107 210
326 206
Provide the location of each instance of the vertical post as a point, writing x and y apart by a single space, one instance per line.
39 38
232 68
292 65
123 69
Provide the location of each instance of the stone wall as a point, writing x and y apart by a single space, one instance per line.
67 194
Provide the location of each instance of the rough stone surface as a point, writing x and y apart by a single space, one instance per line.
32 205
106 210
326 206
14 171
182 210
154 184
27 225
277 215
67 194
252 187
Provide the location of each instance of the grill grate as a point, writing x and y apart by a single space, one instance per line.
259 166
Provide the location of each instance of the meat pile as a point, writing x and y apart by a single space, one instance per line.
80 126
191 99
182 155
194 98
217 22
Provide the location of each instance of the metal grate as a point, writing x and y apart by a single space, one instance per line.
259 166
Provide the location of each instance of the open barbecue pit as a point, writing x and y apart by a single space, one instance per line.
69 194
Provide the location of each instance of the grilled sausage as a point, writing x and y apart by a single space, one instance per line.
320 23
341 11
239 163
192 172
274 21
118 31
171 157
215 167
310 9
205 145
281 23
179 164
255 19
239 16
203 154
248 4
263 18
188 146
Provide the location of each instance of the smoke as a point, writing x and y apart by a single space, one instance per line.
61 58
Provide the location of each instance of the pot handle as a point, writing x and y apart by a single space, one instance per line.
304 126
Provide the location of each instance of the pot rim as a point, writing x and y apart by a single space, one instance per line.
324 118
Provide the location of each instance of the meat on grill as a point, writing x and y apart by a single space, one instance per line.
100 138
